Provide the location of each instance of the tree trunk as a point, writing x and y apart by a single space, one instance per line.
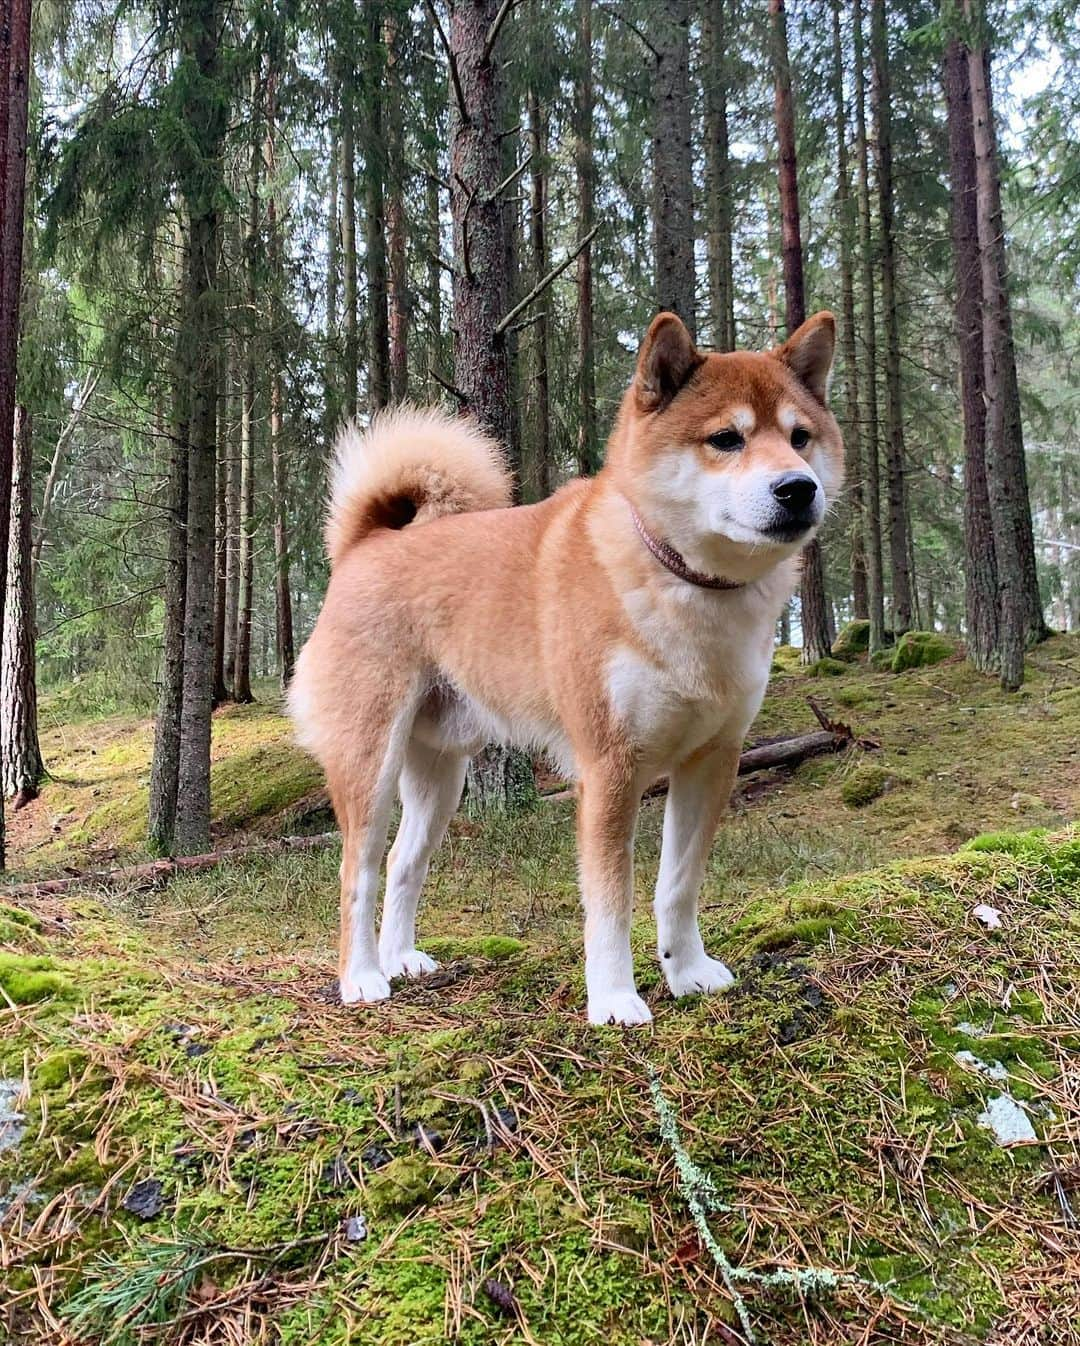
538 207
63 440
871 453
718 177
375 164
164 771
348 249
200 333
673 181
588 447
232 508
331 360
814 610
283 616
980 564
14 111
400 301
852 427
497 779
221 690
20 752
1020 608
895 456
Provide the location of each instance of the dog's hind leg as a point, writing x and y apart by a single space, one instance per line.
362 789
608 800
698 792
430 787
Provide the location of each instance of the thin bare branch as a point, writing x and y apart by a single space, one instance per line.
455 78
541 285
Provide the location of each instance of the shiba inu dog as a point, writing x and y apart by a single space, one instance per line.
624 626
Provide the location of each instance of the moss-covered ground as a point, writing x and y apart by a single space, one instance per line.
216 1151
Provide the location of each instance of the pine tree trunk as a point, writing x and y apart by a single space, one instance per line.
814 610
871 452
400 299
15 74
241 677
221 690
1020 608
375 165
537 211
232 508
673 181
980 564
283 616
852 426
200 334
20 752
718 177
348 249
588 447
331 360
895 456
497 779
164 771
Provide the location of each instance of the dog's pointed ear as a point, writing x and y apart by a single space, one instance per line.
809 352
666 360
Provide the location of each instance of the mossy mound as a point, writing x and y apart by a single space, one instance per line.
921 649
852 640
827 668
786 659
222 1143
867 782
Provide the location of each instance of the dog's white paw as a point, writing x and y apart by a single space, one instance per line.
703 976
409 963
618 1007
364 987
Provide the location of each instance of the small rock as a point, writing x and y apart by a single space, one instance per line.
991 1070
1008 1121
354 1227
336 1173
194 1049
375 1157
145 1199
12 1122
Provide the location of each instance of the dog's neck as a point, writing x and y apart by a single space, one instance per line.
673 560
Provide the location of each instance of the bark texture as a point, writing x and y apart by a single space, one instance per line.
588 447
719 222
541 427
980 563
673 189
20 752
375 167
896 456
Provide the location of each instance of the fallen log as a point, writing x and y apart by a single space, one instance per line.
154 873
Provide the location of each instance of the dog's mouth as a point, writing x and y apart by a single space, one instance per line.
788 530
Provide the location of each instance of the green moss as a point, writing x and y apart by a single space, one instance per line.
852 640
920 649
1060 856
402 1185
867 782
58 1068
882 659
827 668
786 659
26 980
479 946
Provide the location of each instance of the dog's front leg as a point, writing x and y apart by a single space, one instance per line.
698 793
608 801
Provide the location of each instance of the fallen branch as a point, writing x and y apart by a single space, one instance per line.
154 873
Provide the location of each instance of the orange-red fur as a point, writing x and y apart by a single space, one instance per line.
553 626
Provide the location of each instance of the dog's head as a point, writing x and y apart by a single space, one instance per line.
733 458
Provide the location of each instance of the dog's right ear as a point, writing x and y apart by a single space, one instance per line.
666 361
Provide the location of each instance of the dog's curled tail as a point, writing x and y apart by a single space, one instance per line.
409 466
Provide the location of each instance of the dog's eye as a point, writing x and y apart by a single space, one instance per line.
727 441
800 437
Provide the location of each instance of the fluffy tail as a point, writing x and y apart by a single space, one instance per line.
410 466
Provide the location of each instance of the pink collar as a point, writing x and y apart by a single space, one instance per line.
674 561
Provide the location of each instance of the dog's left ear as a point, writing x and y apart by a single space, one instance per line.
809 351
666 360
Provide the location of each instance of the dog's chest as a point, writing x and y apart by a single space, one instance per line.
672 701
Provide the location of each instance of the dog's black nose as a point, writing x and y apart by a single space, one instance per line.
795 491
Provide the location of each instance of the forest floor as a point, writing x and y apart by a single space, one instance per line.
212 1150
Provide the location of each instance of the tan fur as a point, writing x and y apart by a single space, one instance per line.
420 456
552 626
